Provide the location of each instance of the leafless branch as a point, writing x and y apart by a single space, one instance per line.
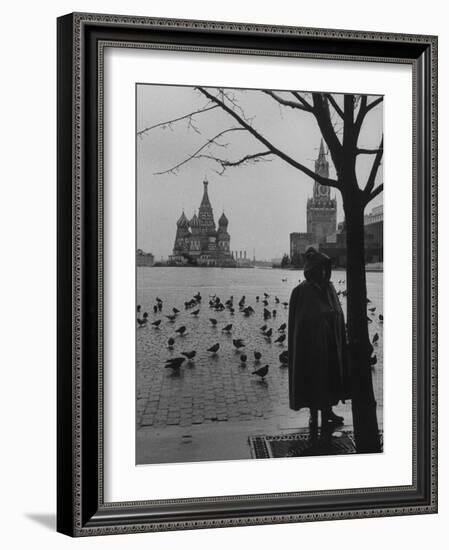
267 143
196 154
374 168
376 192
364 110
324 120
361 151
286 102
374 103
225 163
169 122
232 100
335 105
305 103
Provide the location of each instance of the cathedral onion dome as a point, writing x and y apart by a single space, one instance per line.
223 220
194 222
183 221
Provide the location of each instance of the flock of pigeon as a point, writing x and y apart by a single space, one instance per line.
193 307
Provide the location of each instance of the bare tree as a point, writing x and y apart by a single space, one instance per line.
340 123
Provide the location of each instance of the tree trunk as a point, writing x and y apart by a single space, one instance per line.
366 430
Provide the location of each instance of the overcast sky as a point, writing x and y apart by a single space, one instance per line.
264 202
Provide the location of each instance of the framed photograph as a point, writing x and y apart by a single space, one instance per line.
247 292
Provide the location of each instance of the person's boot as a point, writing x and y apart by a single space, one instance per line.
329 417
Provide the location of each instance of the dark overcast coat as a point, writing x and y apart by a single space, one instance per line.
318 373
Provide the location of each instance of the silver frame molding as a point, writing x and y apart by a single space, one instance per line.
81 41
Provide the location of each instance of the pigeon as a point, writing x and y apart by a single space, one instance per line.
276 299
141 322
195 312
283 357
281 338
285 304
264 328
214 348
269 333
369 320
138 308
171 317
174 363
381 317
257 298
238 343
181 330
175 310
156 323
257 355
265 303
282 327
189 354
372 309
375 338
155 309
159 306
266 295
274 313
214 322
243 358
170 342
145 315
227 328
262 372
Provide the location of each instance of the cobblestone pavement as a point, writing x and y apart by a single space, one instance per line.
212 389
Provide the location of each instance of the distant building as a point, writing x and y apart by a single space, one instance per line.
374 234
298 244
374 248
197 240
241 259
144 259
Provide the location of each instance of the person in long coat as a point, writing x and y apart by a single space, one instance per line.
317 364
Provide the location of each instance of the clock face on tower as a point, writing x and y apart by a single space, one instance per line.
322 190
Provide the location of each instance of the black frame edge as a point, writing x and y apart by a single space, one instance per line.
65 435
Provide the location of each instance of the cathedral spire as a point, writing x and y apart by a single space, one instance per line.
205 203
205 212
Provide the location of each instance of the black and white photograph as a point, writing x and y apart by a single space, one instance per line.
259 273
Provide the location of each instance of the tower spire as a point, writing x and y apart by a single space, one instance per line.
322 154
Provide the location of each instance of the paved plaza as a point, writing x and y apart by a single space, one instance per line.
207 409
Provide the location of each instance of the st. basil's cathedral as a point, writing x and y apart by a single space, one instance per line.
199 242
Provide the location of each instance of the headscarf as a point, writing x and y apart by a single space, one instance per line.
317 266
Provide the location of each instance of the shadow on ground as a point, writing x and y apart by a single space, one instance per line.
46 520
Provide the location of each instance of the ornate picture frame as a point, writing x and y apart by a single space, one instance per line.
81 506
